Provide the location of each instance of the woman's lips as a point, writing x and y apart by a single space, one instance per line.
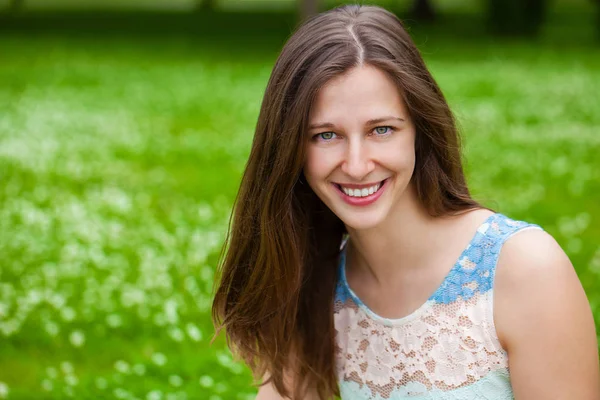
362 201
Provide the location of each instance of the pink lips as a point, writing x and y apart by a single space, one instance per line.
362 201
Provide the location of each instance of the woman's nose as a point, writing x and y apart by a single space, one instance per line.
357 162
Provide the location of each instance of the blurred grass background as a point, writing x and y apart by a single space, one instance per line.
123 135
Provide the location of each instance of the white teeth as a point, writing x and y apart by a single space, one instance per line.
361 192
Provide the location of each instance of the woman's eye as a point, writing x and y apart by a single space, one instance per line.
326 135
382 130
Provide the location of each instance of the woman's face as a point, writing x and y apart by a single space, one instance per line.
360 147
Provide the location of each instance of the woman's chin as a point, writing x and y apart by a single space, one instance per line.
361 222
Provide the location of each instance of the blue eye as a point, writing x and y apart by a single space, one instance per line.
382 130
325 135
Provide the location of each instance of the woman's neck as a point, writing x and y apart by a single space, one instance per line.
399 244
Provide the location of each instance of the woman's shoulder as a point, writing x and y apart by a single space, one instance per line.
531 255
532 262
543 318
536 288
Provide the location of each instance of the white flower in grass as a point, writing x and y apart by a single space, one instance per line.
159 359
47 385
205 212
9 328
207 274
51 372
57 300
143 311
224 359
51 328
114 320
203 303
3 390
160 319
175 380
176 334
68 314
66 367
236 368
77 338
206 381
34 296
154 395
122 367
120 393
71 380
171 312
5 329
190 285
139 369
3 310
193 332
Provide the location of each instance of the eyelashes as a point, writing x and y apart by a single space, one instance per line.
322 136
389 129
328 136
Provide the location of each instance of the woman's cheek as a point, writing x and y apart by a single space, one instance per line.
318 162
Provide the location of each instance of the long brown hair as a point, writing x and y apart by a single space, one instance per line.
278 264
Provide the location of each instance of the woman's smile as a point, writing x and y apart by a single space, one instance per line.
361 195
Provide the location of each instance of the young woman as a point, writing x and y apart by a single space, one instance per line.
357 264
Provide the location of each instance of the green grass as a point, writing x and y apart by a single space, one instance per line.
120 156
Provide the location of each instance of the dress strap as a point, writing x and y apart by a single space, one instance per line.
485 251
501 228
475 269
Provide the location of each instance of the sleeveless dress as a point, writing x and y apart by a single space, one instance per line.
447 349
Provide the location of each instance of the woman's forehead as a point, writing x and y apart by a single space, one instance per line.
363 93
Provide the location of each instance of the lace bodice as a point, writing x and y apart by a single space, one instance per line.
446 349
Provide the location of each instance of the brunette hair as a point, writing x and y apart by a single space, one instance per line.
278 264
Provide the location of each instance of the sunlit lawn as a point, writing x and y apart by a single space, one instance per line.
120 159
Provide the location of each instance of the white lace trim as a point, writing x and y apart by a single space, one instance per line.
447 346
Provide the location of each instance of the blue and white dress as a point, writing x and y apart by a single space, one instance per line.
447 349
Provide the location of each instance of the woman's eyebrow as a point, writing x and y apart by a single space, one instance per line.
382 119
373 121
321 125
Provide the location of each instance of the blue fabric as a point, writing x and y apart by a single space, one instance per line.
492 387
473 272
483 250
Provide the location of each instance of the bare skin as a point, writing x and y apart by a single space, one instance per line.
541 313
544 321
398 255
